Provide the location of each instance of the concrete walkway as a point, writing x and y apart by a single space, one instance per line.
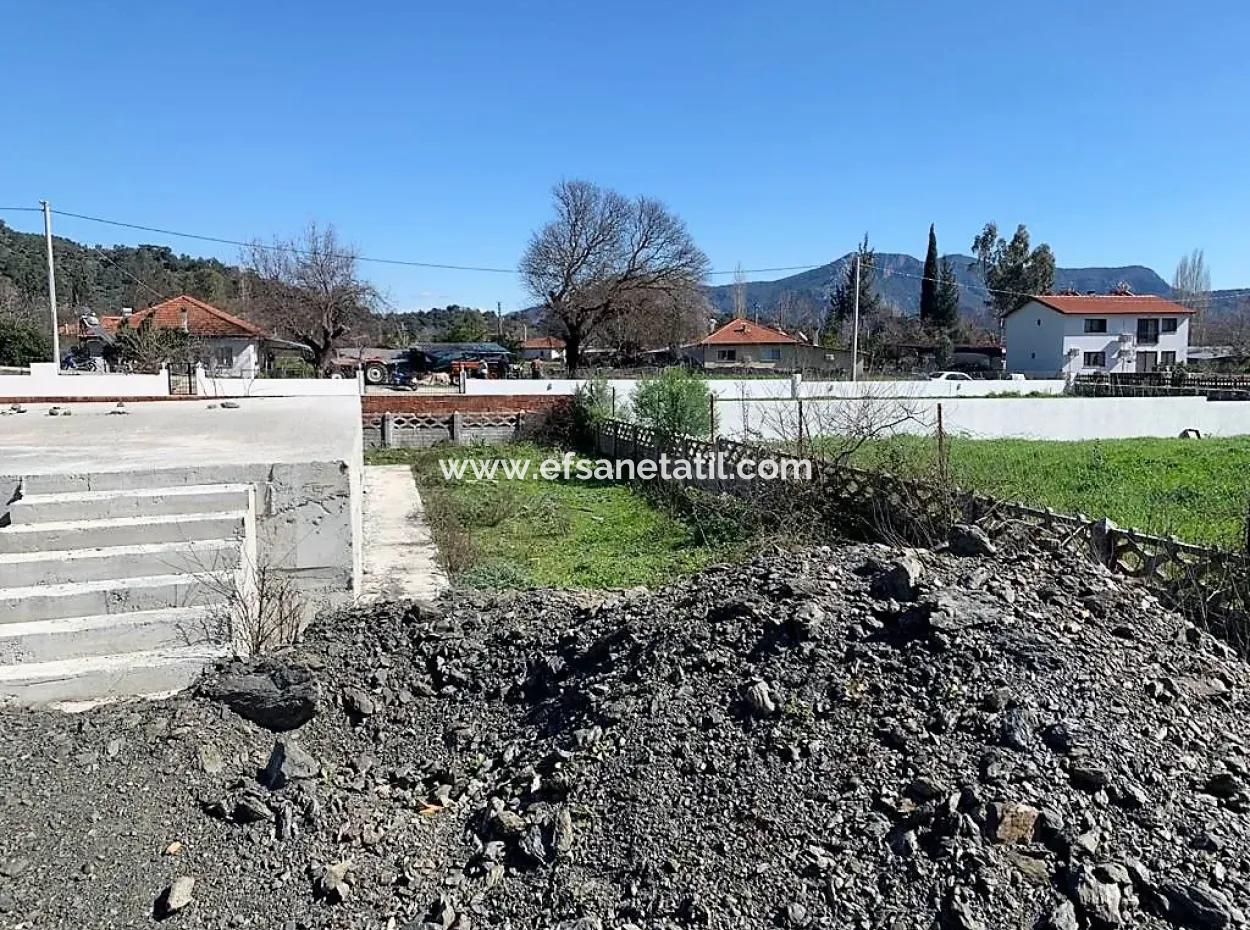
400 559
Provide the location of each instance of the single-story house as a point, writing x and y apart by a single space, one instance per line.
543 349
744 344
1063 335
227 345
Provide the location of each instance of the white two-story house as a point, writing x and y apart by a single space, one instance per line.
1064 335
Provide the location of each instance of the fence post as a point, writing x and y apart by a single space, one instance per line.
457 428
1102 537
802 426
711 416
387 428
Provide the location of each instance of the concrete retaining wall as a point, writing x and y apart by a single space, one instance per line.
45 381
277 387
1068 418
415 421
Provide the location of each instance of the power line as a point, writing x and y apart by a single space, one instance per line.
220 240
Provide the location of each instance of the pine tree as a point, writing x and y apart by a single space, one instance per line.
929 283
842 300
946 302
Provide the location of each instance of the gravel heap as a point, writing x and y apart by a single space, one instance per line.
849 737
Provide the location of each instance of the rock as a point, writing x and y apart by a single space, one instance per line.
229 405
210 759
968 540
1088 778
287 763
899 579
562 832
1016 728
268 692
1059 737
1200 907
176 897
1097 901
759 699
358 704
251 809
508 824
1061 917
330 882
1012 823
1223 785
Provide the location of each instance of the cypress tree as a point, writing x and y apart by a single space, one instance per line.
946 309
929 286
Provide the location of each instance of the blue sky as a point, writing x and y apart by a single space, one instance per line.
1116 131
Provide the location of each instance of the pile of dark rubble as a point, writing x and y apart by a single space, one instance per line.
848 737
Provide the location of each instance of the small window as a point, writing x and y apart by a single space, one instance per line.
1095 326
1039 321
1169 326
1095 359
1167 358
770 354
726 355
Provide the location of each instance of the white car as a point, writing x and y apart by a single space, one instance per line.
950 376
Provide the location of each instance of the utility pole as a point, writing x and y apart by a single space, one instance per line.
47 235
855 326
499 316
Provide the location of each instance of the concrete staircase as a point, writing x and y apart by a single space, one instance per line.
111 587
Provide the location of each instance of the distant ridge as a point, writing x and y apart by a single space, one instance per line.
898 281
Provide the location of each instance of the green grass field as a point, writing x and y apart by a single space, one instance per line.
524 533
1198 490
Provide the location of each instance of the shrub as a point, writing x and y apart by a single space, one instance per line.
675 402
22 343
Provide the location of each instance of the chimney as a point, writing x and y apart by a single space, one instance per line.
182 320
126 311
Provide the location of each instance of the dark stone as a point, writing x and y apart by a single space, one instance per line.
268 692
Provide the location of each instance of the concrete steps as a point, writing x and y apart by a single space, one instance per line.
151 673
145 502
111 596
62 566
108 634
109 591
123 531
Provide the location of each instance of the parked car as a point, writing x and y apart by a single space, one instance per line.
950 376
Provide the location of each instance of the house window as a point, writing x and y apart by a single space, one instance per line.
771 354
1148 331
223 357
1167 358
1095 326
1169 326
1095 359
726 355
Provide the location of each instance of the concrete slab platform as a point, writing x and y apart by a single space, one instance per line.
157 434
400 558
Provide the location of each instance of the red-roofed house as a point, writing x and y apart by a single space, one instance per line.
1063 335
543 348
743 344
227 344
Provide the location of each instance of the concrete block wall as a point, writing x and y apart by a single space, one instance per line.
420 422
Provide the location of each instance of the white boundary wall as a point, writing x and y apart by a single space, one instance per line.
45 380
206 386
1067 418
782 387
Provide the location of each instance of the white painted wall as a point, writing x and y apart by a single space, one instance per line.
1067 418
44 380
728 388
207 386
1042 342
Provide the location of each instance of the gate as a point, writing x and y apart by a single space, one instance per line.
182 380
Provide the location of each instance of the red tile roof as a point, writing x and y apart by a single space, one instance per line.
1109 304
202 319
543 342
746 333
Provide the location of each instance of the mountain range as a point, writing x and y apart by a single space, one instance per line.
898 278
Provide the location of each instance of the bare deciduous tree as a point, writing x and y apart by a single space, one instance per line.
309 289
1191 287
604 253
740 292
